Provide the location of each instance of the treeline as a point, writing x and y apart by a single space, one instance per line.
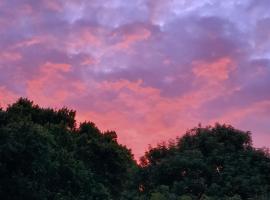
45 155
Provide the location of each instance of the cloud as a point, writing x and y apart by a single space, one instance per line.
9 56
149 69
215 71
131 38
51 86
53 5
6 97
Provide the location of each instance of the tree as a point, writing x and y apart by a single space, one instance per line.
43 155
216 162
46 155
112 163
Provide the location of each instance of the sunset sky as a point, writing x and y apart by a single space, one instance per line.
149 69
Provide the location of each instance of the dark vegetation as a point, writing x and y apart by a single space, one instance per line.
44 155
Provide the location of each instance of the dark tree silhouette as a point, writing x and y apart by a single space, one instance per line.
45 155
210 163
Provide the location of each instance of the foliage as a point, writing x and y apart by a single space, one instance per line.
209 163
45 155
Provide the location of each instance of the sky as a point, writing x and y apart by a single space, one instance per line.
148 69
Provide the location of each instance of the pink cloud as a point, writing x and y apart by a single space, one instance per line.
51 87
147 69
89 61
9 56
218 70
6 96
83 40
142 116
30 41
132 38
53 5
87 37
49 67
261 108
253 117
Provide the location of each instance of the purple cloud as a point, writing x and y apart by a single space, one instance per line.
148 69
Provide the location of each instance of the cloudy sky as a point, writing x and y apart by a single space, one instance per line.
149 69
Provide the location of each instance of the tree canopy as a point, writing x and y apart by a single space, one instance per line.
45 155
208 163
